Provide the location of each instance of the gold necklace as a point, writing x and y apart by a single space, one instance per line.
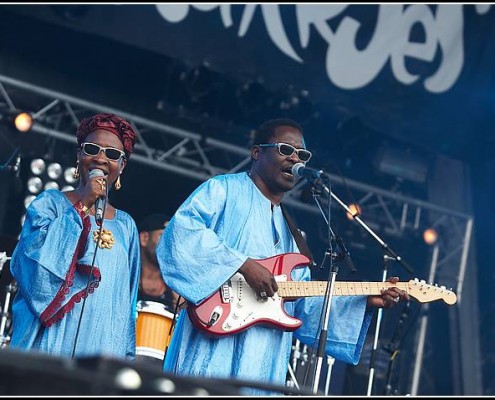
107 240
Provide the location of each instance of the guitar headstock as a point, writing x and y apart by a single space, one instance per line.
425 293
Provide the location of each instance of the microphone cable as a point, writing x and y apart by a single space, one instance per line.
91 270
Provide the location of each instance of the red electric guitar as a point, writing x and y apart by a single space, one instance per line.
235 306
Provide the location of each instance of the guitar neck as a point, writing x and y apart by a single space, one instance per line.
318 288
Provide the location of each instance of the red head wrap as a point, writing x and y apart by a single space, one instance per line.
111 123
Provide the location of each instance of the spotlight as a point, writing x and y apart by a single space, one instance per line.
128 378
23 122
430 236
51 185
28 200
38 166
34 184
66 188
54 170
69 175
45 175
355 211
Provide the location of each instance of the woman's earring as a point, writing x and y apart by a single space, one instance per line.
75 173
117 184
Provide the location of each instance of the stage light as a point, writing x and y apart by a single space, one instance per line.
34 184
23 122
128 378
69 175
51 185
430 236
355 211
54 170
38 166
44 175
28 200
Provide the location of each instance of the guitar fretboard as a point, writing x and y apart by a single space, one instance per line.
317 288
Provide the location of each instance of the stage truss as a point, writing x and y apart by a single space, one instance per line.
185 153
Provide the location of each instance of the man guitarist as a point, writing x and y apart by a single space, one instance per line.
224 226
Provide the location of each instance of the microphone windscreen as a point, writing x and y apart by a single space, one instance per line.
96 173
296 170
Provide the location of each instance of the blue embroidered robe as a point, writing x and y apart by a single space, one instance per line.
225 221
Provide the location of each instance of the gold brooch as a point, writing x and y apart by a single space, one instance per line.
107 239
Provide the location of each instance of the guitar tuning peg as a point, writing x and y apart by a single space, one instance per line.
443 287
416 280
436 284
423 281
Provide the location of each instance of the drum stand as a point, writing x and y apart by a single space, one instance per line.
11 288
302 358
297 355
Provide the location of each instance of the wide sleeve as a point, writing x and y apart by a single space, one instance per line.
44 261
194 258
349 320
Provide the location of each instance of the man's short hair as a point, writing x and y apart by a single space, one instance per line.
267 129
153 222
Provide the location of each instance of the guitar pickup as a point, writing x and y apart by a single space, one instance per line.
226 292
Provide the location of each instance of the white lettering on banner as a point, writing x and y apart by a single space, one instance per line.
350 67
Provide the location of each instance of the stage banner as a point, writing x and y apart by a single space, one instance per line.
420 72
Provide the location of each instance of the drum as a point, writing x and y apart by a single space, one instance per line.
153 329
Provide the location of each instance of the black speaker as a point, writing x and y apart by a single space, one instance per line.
31 373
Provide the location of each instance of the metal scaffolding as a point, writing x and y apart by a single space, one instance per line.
172 149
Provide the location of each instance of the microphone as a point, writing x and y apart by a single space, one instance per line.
100 202
299 170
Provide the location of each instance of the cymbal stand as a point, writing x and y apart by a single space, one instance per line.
4 339
3 260
299 357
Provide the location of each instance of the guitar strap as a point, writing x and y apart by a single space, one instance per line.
298 237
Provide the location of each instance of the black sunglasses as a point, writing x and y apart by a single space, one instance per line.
287 150
93 149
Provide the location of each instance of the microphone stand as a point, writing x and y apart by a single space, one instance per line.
318 177
340 254
383 245
386 259
393 348
91 270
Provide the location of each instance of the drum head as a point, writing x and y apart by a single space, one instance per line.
154 307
